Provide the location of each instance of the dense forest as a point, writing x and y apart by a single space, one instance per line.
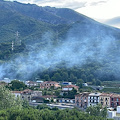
46 114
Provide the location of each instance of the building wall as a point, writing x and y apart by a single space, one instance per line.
93 100
67 89
81 100
47 85
114 101
105 101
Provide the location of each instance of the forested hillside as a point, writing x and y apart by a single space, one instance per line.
56 44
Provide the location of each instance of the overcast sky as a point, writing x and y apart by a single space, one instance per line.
100 10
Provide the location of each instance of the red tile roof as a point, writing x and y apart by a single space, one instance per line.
17 91
50 82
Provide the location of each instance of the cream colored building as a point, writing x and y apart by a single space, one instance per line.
105 99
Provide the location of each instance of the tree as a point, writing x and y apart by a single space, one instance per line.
57 77
93 82
64 76
97 111
8 100
98 82
17 85
79 83
46 77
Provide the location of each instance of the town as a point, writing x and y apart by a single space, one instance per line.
64 95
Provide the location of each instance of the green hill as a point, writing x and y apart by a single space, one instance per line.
55 42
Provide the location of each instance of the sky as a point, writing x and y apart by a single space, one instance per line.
105 11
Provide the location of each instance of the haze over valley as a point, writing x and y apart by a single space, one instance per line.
50 40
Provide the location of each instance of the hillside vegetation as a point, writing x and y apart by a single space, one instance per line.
56 44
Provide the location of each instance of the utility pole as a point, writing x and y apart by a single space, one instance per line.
12 47
17 41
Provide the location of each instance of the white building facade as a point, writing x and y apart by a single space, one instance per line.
93 99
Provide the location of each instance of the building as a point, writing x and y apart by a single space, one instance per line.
105 99
37 99
27 94
31 83
17 93
93 99
65 100
81 100
115 115
69 88
114 100
66 83
49 84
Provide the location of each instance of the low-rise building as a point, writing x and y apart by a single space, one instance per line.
105 99
66 83
31 83
49 84
69 88
81 100
115 100
27 94
93 98
65 100
115 115
17 93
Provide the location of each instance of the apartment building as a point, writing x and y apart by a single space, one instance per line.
93 99
81 100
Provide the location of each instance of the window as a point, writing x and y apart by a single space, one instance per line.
101 103
112 99
112 104
117 103
117 99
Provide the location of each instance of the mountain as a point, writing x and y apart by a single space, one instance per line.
46 14
32 21
114 21
53 37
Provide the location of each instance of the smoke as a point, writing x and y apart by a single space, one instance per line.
78 48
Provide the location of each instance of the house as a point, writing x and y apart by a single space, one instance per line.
50 97
115 100
49 84
31 83
69 88
27 95
85 84
93 99
37 93
66 83
17 93
81 100
105 99
39 81
65 100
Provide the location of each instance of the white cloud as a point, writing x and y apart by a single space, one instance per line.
105 10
